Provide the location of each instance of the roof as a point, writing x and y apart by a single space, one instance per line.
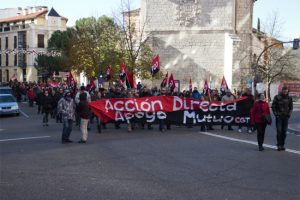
23 17
53 13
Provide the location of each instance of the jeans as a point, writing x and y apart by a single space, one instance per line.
46 117
67 129
261 129
281 125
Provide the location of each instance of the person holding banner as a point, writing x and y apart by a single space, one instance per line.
250 100
162 122
258 113
227 97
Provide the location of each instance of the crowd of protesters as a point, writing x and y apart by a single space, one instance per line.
67 105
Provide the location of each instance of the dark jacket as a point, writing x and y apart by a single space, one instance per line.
83 108
47 103
282 105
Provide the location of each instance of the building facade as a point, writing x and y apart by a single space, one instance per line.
24 33
201 39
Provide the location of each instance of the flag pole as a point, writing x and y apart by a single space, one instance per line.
151 79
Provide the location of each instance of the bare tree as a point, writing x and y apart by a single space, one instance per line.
136 51
275 62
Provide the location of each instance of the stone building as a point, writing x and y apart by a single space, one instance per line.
201 39
24 33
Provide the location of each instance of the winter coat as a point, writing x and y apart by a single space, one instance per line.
83 110
196 95
66 108
227 98
260 108
282 105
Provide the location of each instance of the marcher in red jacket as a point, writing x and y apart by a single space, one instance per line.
260 108
31 96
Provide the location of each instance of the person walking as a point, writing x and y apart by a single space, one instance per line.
30 96
282 107
84 114
259 111
47 106
66 107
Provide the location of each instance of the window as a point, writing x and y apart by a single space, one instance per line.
6 61
0 59
41 41
0 44
6 29
6 43
15 42
16 60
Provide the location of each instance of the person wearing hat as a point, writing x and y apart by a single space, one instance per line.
282 107
66 107
225 98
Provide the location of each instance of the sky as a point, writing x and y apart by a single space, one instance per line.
287 11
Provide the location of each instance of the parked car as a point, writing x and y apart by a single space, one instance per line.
5 90
8 105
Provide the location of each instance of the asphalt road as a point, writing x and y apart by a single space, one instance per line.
182 164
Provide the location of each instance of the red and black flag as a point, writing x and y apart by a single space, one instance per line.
155 65
223 87
164 81
206 89
171 82
72 82
108 73
131 83
122 74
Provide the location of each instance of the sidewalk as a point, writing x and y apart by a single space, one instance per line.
294 128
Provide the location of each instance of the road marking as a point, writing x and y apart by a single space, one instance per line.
27 138
24 114
247 142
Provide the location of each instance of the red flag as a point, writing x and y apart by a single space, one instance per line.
155 65
108 73
122 71
72 82
224 86
91 85
206 89
14 77
171 82
131 80
164 81
190 85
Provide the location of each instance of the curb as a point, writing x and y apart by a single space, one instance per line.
294 128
